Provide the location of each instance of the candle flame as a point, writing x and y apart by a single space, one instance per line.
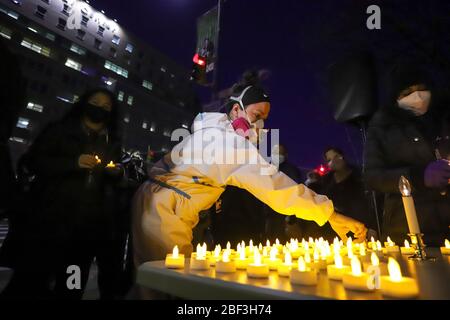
338 261
226 256
98 159
378 245
242 254
257 258
311 240
447 244
395 273
407 244
175 252
404 186
356 266
268 243
390 242
288 258
316 254
228 245
217 251
372 239
374 259
301 264
273 253
307 257
251 244
277 242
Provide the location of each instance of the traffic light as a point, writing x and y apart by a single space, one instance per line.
199 69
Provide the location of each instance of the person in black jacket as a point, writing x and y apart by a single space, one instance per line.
71 201
409 137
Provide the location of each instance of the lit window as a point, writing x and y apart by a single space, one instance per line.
17 2
17 139
130 100
36 47
147 84
153 127
126 119
116 69
77 49
84 20
120 96
129 48
23 123
50 36
73 64
100 30
32 29
66 9
10 13
5 32
61 24
144 125
35 107
163 69
116 40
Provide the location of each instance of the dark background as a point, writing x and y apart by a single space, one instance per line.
297 41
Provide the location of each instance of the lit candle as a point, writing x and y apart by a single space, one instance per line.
225 265
111 165
375 262
407 248
257 269
98 159
272 261
337 270
408 204
446 248
397 286
391 247
356 279
175 260
320 262
241 261
284 269
199 261
216 256
303 275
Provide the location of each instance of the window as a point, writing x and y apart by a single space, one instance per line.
35 107
61 24
17 2
66 9
23 123
40 12
163 69
77 49
36 47
73 64
98 44
81 34
5 32
144 125
130 100
153 127
129 48
100 30
147 84
120 96
17 139
116 40
113 52
84 20
116 69
50 36
126 119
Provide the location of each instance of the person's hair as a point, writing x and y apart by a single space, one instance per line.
335 149
77 110
249 78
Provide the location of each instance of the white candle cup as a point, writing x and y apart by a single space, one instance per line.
305 278
172 262
225 266
199 264
356 282
241 264
258 270
272 263
284 270
406 288
336 273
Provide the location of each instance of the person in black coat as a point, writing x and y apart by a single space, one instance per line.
71 202
409 137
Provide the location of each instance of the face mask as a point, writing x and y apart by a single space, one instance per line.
96 114
416 102
241 126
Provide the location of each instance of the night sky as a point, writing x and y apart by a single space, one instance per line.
296 40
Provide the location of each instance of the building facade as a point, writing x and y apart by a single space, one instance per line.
65 47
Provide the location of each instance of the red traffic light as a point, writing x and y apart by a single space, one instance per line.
201 61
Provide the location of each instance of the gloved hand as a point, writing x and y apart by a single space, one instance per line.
342 225
437 174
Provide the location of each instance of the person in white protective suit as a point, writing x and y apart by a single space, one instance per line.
192 177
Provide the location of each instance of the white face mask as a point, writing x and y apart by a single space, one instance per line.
416 102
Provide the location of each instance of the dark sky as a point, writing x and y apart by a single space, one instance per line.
296 40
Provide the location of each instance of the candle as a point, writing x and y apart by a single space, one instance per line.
241 261
175 260
391 246
216 255
337 270
272 261
320 262
284 269
98 159
356 279
257 269
110 165
446 249
198 260
397 286
407 248
375 262
225 265
408 204
303 275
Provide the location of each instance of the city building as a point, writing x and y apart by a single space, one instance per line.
66 47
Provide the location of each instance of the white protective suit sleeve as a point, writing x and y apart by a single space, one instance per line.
279 191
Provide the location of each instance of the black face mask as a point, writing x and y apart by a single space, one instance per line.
96 114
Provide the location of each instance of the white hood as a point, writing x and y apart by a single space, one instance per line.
211 120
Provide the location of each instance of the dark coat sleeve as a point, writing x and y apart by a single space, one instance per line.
379 174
